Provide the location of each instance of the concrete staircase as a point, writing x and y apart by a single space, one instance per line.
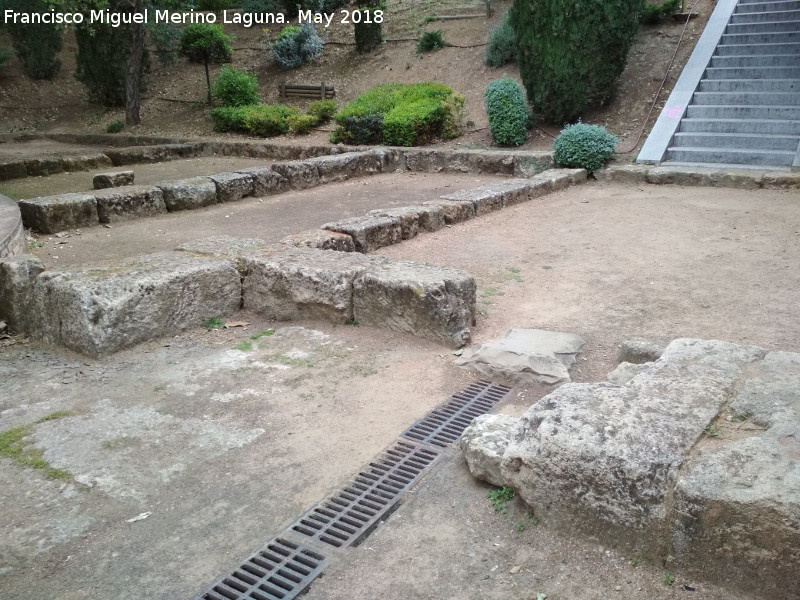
745 110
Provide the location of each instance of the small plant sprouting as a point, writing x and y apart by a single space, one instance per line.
500 498
160 388
712 430
351 321
636 561
667 578
528 521
264 333
244 346
213 323
115 126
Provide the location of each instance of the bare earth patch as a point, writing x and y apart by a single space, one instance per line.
226 439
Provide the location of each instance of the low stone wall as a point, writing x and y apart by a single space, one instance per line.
102 308
12 234
744 179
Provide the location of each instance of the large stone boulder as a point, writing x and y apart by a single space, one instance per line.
187 194
484 443
525 357
102 181
369 232
303 283
233 186
299 174
51 214
437 303
338 167
265 181
102 308
130 202
17 276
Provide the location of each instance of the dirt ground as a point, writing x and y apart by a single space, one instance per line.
225 440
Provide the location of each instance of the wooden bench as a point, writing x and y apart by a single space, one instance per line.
321 91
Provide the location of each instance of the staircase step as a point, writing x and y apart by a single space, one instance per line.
722 73
750 85
749 7
746 98
752 141
778 60
761 17
791 113
730 156
763 27
786 37
772 49
740 126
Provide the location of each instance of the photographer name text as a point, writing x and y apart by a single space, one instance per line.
118 19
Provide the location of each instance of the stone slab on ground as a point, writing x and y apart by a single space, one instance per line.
437 303
339 167
266 181
640 350
99 309
187 194
233 186
299 174
102 181
369 232
322 240
525 357
17 276
304 283
454 211
51 214
85 162
484 199
229 248
118 204
694 461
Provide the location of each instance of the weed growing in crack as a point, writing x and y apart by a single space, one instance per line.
712 430
667 578
213 323
528 521
500 498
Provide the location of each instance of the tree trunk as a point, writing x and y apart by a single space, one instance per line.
134 70
208 82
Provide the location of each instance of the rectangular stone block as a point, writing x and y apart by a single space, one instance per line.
233 186
303 283
100 309
485 199
130 202
102 181
13 170
527 164
17 276
563 178
339 167
369 232
781 181
454 211
299 174
43 166
187 194
321 240
84 162
50 214
480 161
436 303
389 159
635 174
266 181
430 161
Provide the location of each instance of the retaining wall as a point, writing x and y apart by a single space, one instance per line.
12 234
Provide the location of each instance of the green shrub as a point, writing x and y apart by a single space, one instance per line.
115 126
206 44
296 46
431 40
236 87
395 113
267 120
508 113
584 146
451 125
502 46
323 110
165 38
213 5
5 55
301 124
570 52
655 13
36 45
368 36
260 6
228 118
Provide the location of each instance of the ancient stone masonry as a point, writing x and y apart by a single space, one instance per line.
691 458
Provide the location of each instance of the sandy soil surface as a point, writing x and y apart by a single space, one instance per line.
226 439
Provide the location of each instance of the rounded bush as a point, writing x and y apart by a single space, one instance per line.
267 120
431 40
323 110
502 46
115 126
236 87
301 124
228 118
584 146
508 113
296 46
205 43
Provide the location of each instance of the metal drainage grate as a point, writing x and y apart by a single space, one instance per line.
444 425
345 518
279 571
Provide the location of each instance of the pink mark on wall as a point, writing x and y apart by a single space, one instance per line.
676 112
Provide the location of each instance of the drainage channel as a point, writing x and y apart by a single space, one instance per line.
287 564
